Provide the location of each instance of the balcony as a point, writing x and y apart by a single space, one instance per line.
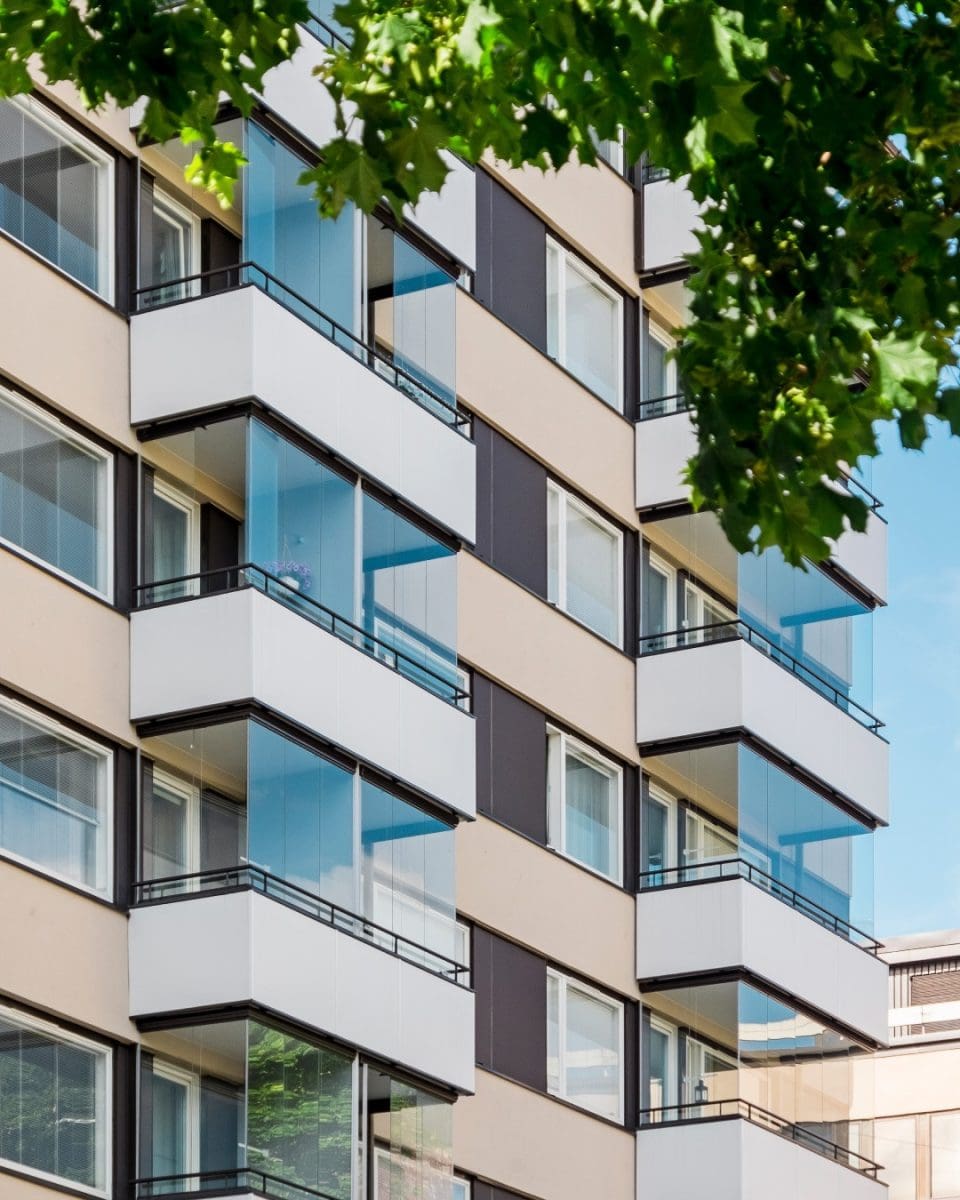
737 1151
670 217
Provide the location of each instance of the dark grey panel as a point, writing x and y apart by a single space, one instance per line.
126 230
124 823
487 1191
219 250
631 1063
511 509
511 999
511 760
631 591
219 547
631 828
631 357
125 526
511 277
146 229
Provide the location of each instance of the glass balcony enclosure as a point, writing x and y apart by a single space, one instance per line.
240 1106
696 589
241 805
727 1049
262 512
721 811
356 280
666 311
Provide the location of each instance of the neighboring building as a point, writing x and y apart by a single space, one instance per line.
402 793
916 1130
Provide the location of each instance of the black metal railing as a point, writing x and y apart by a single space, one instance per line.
851 484
735 629
249 575
249 274
664 406
324 32
739 868
651 173
249 877
230 1180
717 1110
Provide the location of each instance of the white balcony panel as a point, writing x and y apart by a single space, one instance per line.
731 923
449 217
670 216
241 344
736 1160
862 557
664 446
297 97
242 646
732 686
245 948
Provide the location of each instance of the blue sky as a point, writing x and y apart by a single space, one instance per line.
917 686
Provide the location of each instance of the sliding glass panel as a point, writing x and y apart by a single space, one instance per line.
412 1136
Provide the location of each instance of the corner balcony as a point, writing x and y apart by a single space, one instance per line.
727 678
258 641
237 942
253 338
670 217
733 1150
729 914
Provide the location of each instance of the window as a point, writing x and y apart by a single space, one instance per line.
54 1103
55 494
175 250
658 837
895 1147
55 799
659 372
56 193
945 1155
584 564
461 1188
176 540
176 1121
704 842
610 149
662 1068
584 797
584 1046
659 603
584 324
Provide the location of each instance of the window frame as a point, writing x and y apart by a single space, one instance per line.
178 213
652 329
564 983
657 794
563 258
190 794
567 499
190 1081
566 745
177 498
103 1147
105 774
106 536
106 194
671 1097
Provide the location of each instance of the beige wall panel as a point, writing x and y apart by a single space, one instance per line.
111 123
536 404
63 953
14 1188
64 649
925 1079
530 1143
544 656
540 900
65 346
590 207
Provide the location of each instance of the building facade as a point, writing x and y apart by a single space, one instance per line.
402 792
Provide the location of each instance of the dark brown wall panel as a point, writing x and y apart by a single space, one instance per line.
511 276
511 509
511 760
511 990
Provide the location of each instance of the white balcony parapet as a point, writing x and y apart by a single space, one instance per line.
245 948
670 216
730 923
737 1159
242 646
242 344
730 685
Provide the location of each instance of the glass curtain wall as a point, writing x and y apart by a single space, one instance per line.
712 1050
730 810
226 797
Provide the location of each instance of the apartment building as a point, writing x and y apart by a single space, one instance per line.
402 792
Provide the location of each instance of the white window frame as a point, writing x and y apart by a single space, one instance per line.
559 746
105 516
617 163
565 260
191 507
703 600
104 1081
566 499
179 214
564 983
655 331
669 572
690 1079
105 194
105 787
666 800
464 1186
703 824
190 794
671 1089
189 1080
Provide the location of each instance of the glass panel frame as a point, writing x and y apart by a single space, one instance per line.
561 748
560 504
560 1052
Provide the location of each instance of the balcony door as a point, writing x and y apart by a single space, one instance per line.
176 1124
662 1071
705 843
705 615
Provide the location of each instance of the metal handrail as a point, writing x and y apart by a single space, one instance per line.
331 621
725 1109
729 631
851 484
250 274
232 1178
324 33
685 404
249 876
741 868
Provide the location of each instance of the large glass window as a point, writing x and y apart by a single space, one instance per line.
411 1131
54 1103
584 804
584 324
584 1046
56 193
584 567
55 493
55 799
